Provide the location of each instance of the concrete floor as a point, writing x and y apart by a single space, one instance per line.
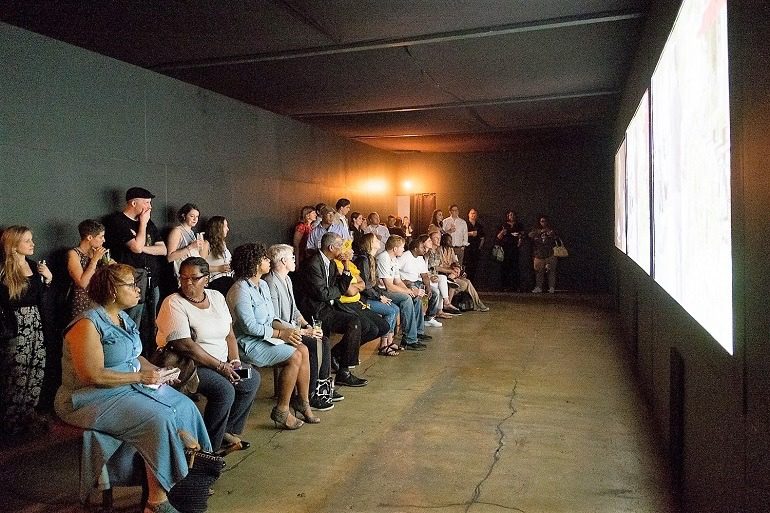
530 408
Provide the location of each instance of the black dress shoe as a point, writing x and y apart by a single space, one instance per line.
318 404
422 336
337 397
415 346
349 380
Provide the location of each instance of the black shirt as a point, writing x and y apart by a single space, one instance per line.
119 230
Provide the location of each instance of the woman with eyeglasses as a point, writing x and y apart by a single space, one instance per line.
196 322
108 387
263 340
24 285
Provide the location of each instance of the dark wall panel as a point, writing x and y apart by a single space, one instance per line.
569 179
77 129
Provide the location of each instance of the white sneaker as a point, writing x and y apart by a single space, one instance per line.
433 323
537 290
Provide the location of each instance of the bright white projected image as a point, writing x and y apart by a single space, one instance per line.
691 168
620 198
638 239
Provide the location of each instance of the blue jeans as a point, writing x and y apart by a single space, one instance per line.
389 312
412 320
227 404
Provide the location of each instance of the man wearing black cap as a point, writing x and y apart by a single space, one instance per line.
134 239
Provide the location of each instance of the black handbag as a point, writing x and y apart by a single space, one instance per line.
166 357
191 494
142 278
9 327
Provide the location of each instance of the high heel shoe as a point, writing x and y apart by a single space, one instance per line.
281 419
303 409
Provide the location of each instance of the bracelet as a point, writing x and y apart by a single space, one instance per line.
221 366
236 360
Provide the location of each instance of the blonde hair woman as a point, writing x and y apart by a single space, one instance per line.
23 287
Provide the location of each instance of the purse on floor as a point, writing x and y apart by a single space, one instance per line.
191 494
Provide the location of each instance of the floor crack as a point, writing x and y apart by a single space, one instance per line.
496 456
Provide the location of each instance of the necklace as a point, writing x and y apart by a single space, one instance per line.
191 300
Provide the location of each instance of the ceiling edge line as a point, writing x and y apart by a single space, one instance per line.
459 105
379 44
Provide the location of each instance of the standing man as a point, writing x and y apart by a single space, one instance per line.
327 225
458 229
133 239
342 209
475 243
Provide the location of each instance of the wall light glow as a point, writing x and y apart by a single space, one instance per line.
407 185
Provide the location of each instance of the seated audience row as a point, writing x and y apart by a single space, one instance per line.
230 313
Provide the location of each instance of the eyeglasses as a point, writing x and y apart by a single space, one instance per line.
194 279
134 284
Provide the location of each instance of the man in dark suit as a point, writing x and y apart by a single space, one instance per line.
320 285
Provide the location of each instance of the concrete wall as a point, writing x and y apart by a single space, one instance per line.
714 415
77 129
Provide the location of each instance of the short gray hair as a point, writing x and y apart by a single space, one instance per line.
278 251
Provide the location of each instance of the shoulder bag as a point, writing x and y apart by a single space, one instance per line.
559 250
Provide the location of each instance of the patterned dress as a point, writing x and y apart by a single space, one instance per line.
22 360
80 300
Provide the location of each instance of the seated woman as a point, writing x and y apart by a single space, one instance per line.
439 281
219 256
448 265
282 293
196 323
82 261
262 340
372 294
373 325
104 387
182 240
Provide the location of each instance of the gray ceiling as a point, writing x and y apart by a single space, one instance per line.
428 75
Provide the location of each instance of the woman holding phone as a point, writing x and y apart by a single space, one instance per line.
196 322
24 284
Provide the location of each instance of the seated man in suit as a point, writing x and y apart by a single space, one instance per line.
319 286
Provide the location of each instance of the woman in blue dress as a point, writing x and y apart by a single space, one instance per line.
108 387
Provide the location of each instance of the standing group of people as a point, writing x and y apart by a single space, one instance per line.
468 237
